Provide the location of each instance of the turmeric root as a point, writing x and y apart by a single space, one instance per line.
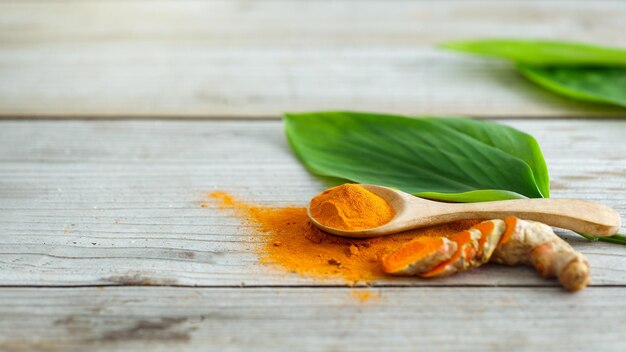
511 242
420 256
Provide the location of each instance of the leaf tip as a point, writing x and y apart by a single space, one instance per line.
288 114
451 45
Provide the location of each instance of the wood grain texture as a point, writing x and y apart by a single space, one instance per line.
118 202
260 58
309 319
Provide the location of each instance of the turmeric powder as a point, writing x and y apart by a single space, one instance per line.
364 295
288 239
350 207
512 242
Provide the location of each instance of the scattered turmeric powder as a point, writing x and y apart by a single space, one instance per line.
287 238
350 207
304 249
364 295
353 250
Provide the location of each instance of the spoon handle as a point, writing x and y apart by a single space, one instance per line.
573 214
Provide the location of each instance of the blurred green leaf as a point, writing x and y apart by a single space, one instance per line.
595 84
575 70
542 52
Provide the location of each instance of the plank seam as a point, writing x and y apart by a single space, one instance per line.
14 118
309 286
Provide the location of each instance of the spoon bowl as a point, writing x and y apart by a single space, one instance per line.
413 212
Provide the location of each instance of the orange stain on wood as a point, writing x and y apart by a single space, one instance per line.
364 295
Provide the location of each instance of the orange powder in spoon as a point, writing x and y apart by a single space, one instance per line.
350 207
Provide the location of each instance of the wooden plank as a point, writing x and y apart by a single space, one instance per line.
247 58
118 202
306 319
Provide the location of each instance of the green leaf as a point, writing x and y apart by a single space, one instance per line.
452 160
595 84
578 71
543 52
618 238
471 196
509 140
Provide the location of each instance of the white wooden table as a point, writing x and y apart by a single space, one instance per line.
104 245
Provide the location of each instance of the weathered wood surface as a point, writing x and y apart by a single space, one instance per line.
111 203
118 202
312 319
259 58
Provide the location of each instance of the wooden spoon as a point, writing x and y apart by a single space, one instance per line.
413 212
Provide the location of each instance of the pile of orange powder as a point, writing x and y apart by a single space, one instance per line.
288 239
